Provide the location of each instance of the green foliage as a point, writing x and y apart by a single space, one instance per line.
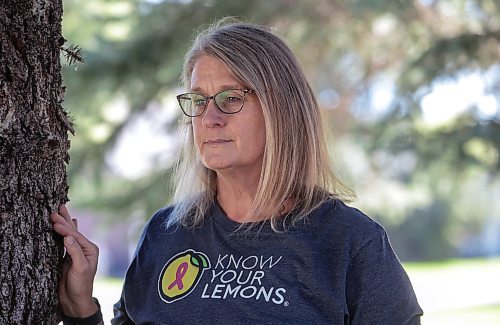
134 52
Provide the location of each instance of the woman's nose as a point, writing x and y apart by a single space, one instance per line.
213 117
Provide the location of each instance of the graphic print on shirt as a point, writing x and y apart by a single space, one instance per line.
181 274
232 277
244 277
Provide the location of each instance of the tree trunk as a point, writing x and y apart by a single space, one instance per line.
33 151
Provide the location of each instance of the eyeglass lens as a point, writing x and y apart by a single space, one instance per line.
228 101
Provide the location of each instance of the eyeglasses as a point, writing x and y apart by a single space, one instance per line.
229 101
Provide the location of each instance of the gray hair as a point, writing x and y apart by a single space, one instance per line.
296 165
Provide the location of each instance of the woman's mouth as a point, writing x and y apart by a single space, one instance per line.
217 141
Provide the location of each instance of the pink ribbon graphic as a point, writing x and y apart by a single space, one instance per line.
179 274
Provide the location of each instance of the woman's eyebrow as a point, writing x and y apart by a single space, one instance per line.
221 88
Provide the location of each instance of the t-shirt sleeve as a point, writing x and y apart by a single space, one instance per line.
378 289
121 316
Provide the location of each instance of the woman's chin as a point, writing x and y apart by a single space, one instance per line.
216 165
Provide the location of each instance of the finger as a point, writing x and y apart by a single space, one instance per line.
79 262
62 227
57 218
89 249
63 211
75 222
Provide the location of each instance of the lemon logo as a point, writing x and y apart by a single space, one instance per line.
181 274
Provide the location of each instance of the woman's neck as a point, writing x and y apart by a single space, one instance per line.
236 196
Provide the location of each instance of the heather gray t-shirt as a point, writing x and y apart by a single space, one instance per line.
337 267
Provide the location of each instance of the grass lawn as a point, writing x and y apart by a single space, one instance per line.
465 291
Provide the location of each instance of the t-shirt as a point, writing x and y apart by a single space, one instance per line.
334 267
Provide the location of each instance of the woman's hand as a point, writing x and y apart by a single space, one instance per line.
79 268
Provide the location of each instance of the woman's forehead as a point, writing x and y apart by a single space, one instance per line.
210 72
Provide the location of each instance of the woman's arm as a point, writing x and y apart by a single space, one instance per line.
378 288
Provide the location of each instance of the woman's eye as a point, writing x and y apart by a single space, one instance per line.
233 99
199 102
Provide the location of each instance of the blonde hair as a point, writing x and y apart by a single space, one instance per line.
296 166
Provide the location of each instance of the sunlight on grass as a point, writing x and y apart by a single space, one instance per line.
481 315
463 291
457 292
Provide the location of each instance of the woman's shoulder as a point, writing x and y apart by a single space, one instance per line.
337 216
158 221
162 213
338 227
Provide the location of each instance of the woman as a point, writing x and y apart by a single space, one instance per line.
259 232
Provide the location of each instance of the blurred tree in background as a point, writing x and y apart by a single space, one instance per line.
410 91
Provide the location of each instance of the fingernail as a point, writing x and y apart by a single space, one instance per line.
70 240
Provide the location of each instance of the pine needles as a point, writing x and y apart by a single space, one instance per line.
73 54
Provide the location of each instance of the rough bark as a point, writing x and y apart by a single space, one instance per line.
33 151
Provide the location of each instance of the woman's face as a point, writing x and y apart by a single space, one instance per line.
226 142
